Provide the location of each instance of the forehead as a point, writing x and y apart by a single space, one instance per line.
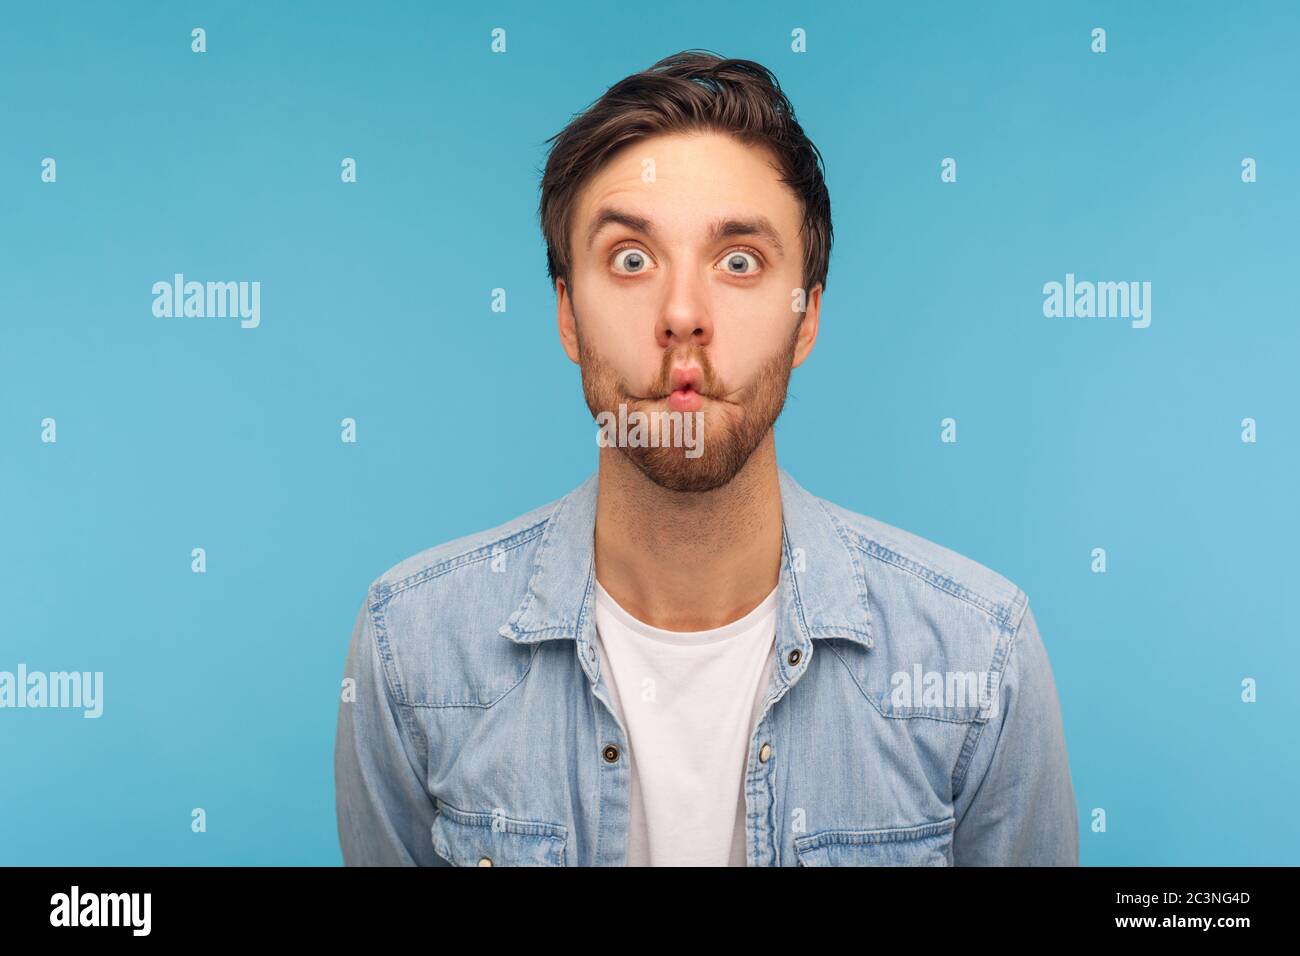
681 181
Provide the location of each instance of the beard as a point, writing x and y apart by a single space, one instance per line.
735 424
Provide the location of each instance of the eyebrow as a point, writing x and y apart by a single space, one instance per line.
724 228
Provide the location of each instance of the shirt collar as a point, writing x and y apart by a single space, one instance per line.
822 592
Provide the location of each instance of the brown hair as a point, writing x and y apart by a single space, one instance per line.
694 90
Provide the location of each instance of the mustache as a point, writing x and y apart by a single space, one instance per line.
706 383
706 393
662 393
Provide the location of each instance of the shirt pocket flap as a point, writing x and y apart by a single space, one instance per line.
927 844
491 839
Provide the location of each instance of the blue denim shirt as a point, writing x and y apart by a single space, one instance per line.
911 717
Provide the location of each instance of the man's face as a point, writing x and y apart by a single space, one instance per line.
686 262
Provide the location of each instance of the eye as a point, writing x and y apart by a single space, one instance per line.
740 262
633 260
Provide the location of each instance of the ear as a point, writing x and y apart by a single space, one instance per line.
565 320
808 328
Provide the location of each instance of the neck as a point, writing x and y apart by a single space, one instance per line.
688 561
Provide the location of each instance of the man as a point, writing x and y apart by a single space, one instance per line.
689 659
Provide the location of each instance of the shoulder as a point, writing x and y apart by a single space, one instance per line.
424 571
941 574
435 615
936 615
932 609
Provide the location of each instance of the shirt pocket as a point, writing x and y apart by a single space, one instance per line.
926 844
464 838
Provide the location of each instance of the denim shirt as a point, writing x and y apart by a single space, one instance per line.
911 717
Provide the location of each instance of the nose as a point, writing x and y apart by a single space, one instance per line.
684 320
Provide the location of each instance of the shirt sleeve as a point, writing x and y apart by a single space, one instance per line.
385 813
1016 804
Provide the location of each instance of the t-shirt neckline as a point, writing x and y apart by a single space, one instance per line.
688 638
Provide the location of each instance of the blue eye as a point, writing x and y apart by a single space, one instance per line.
633 259
738 263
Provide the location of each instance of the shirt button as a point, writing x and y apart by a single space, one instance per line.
764 752
611 753
486 861
794 657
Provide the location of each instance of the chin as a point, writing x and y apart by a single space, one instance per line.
676 472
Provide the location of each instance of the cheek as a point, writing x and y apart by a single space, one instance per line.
617 328
745 340
763 308
617 356
610 308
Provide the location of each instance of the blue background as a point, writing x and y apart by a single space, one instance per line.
221 689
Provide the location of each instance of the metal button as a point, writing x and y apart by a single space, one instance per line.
611 753
486 861
794 657
764 752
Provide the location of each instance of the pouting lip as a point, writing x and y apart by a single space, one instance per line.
688 377
668 395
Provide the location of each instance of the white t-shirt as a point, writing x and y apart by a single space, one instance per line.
689 702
